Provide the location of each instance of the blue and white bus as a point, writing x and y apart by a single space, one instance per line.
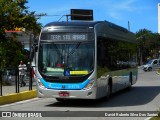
84 60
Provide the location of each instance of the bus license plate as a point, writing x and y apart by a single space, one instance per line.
64 94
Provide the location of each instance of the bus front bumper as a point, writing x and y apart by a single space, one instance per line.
71 94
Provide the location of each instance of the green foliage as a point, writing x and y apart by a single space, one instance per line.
15 14
11 53
149 44
157 117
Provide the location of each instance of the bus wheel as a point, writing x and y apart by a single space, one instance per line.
60 99
130 82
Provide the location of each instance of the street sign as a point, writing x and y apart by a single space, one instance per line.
81 14
16 30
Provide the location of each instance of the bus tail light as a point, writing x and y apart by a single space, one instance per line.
90 84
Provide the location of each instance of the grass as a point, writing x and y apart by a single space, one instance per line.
155 118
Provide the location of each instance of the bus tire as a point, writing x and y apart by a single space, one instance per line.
109 91
130 81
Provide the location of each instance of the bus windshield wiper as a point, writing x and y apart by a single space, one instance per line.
74 49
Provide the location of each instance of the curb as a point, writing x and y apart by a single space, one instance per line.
15 97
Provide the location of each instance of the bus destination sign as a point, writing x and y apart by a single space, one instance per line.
64 36
68 37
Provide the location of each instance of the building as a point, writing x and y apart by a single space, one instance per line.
23 37
159 18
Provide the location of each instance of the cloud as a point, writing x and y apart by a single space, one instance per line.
117 9
125 5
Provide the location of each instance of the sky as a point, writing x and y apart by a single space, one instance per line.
140 13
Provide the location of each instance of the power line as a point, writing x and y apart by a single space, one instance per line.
45 15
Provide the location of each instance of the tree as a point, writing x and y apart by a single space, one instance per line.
149 45
11 53
15 14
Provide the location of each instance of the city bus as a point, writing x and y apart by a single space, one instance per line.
84 60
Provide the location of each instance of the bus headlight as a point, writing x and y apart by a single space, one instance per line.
40 84
90 84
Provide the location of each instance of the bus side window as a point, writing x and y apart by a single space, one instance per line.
101 53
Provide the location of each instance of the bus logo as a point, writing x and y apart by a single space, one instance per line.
63 87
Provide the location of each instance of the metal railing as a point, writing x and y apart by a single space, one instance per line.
10 83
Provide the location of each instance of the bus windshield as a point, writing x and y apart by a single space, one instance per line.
66 59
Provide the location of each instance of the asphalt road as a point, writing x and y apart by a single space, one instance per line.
144 96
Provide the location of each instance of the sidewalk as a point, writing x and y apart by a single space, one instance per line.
12 89
9 94
158 72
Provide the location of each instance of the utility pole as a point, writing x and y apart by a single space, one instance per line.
128 26
30 62
159 18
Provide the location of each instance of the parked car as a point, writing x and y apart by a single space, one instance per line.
151 64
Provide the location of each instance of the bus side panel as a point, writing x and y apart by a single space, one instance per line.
134 75
115 59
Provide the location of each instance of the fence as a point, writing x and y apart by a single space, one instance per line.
10 81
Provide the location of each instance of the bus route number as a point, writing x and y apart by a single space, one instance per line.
68 37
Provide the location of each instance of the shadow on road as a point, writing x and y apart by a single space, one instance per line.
138 95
